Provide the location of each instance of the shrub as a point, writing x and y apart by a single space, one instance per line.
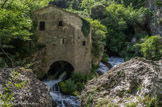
98 37
105 57
151 101
77 82
158 2
68 86
152 47
121 23
98 11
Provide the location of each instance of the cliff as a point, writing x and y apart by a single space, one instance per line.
156 20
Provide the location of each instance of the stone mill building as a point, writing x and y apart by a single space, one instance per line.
67 38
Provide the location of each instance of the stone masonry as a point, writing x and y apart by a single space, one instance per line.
61 32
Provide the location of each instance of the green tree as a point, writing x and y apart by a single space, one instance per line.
151 48
16 27
121 23
98 37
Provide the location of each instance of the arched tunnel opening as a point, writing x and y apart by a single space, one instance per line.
60 69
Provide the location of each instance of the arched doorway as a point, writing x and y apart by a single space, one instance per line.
59 67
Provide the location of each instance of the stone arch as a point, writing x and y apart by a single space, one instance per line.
58 67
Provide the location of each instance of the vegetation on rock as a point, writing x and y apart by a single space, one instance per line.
126 85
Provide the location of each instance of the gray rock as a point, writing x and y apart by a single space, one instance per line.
135 82
34 94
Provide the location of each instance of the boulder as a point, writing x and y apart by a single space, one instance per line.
135 83
24 89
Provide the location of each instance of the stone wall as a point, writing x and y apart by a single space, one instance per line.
63 38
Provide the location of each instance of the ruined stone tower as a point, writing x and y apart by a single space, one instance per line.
67 38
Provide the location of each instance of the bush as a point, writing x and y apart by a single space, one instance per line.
151 48
122 24
98 12
105 57
77 82
158 2
98 37
68 86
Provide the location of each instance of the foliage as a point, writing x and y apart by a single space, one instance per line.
89 100
68 86
7 97
151 48
77 82
121 23
133 3
87 4
41 75
98 12
98 37
61 3
105 103
85 27
159 20
16 29
158 2
132 104
105 57
150 101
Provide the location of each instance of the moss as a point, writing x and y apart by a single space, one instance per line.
150 101
120 93
89 100
139 87
105 103
132 104
85 27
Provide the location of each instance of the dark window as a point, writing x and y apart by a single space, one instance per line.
63 41
60 23
42 26
84 43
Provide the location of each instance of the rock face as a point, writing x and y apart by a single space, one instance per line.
29 93
156 19
134 83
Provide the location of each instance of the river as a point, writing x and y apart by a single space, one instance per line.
62 100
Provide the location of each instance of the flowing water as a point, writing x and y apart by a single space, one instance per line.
62 100
114 61
59 98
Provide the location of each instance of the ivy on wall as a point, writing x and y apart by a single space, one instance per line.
85 27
